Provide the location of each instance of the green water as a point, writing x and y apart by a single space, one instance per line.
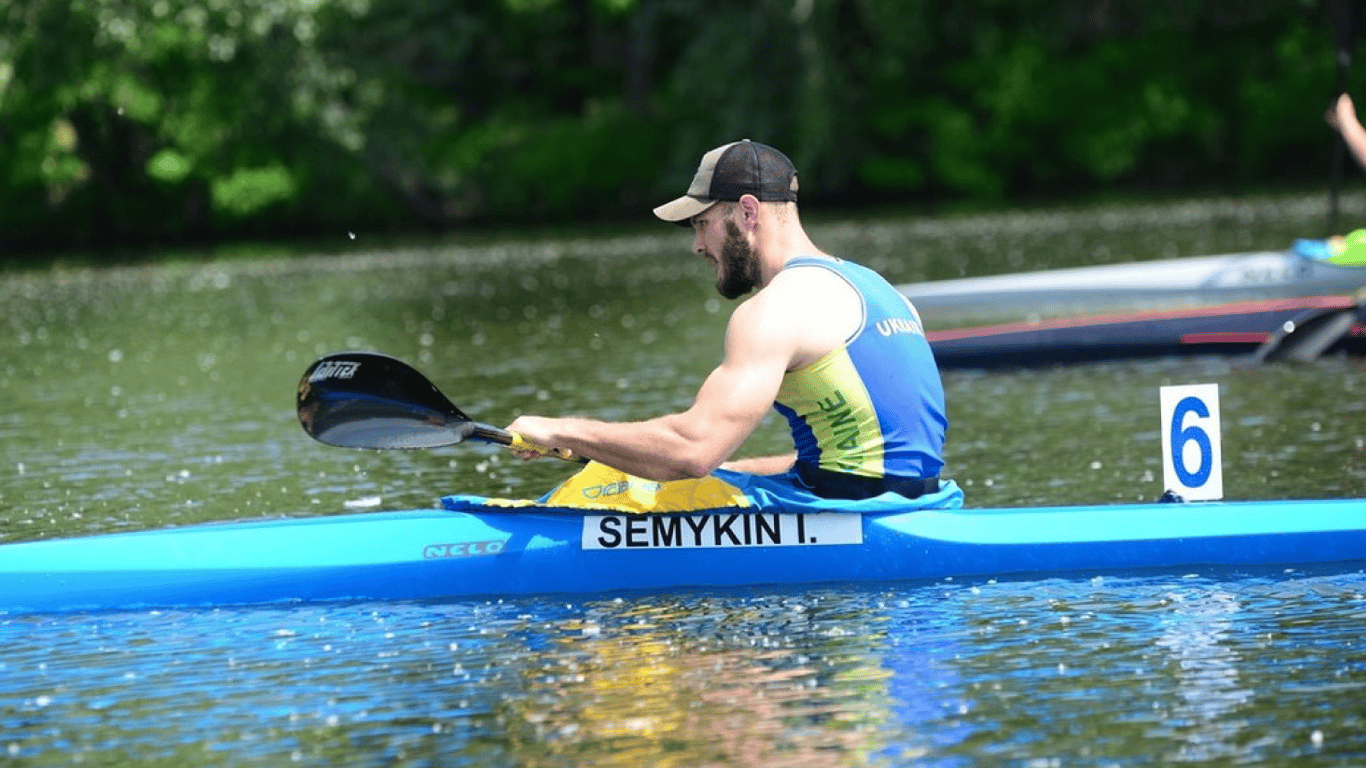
143 397
146 396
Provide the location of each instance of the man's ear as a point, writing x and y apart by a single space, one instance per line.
749 205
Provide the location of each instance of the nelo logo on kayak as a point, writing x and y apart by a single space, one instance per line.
462 549
334 369
711 531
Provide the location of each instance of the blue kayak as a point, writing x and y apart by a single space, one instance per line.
441 554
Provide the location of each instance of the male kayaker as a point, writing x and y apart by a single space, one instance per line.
828 343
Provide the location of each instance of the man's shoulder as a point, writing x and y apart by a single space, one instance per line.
811 270
798 286
803 300
825 277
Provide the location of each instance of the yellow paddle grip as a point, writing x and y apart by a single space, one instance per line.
520 443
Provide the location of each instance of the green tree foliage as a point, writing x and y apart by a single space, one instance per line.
150 122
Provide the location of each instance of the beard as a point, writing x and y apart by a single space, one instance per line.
739 267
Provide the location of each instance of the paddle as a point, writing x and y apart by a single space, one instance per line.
369 400
1305 338
1344 15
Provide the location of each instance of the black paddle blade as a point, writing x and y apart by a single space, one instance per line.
369 400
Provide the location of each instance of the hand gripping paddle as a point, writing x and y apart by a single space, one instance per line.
369 400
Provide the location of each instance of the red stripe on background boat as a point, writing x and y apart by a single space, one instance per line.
1233 328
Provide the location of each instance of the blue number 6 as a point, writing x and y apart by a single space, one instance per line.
1180 436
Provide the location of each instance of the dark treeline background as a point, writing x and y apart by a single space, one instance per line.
157 123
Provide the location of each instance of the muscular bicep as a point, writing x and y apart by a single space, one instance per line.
739 392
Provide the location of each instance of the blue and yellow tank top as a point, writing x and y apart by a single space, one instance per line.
874 406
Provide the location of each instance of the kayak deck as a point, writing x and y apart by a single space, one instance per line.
438 554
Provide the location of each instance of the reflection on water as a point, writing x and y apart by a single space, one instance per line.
1197 637
721 682
154 396
1104 671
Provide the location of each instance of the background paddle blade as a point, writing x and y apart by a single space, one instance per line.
368 400
1308 337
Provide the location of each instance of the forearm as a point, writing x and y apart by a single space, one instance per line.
1355 138
763 465
730 404
658 449
1353 134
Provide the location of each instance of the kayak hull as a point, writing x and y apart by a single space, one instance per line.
438 554
1231 329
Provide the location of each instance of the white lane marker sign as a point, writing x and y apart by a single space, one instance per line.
1192 459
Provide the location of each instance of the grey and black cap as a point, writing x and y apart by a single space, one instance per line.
731 171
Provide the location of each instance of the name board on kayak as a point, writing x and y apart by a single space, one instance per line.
721 530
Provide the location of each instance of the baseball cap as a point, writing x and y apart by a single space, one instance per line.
726 173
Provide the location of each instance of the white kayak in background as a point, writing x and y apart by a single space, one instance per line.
1303 270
